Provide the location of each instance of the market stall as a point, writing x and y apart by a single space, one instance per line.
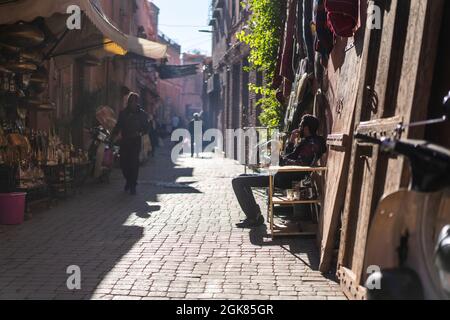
43 114
30 159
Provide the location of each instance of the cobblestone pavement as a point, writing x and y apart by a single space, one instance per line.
172 241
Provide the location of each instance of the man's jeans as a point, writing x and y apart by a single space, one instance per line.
243 185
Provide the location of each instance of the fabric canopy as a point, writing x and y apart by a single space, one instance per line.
173 72
28 10
129 43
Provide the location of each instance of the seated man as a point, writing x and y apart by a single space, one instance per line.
305 153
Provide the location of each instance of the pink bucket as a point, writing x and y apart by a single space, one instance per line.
12 208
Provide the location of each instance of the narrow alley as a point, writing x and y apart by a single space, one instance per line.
175 240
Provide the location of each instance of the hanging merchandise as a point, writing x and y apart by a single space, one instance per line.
324 37
287 70
4 83
4 69
9 50
308 34
3 139
298 102
278 79
342 16
320 111
21 66
39 77
301 47
31 56
37 84
27 155
12 84
23 35
319 65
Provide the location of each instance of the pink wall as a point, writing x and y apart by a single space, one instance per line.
147 16
170 90
192 87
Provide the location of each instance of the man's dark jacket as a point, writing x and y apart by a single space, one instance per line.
305 153
132 125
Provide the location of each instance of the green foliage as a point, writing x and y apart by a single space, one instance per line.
262 35
271 112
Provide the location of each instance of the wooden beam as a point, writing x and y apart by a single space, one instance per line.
420 50
338 140
417 71
371 160
380 127
390 38
350 285
369 61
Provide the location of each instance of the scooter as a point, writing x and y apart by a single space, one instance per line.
102 154
408 245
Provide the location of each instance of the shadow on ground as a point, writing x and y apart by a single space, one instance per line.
93 230
294 245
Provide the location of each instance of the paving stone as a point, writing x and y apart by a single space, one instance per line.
165 243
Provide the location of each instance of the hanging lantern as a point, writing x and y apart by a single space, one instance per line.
3 69
40 76
23 35
20 66
31 56
9 49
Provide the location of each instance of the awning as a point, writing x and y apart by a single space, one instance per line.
129 43
28 10
176 71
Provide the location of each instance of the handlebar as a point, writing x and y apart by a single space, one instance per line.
430 163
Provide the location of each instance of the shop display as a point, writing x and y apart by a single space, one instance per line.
31 161
21 66
35 161
23 35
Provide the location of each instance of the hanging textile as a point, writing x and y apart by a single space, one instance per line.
300 101
307 33
287 68
301 48
342 16
324 37
278 79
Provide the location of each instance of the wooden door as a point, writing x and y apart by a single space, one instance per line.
343 70
394 87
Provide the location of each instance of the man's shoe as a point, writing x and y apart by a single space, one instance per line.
251 223
133 191
127 188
